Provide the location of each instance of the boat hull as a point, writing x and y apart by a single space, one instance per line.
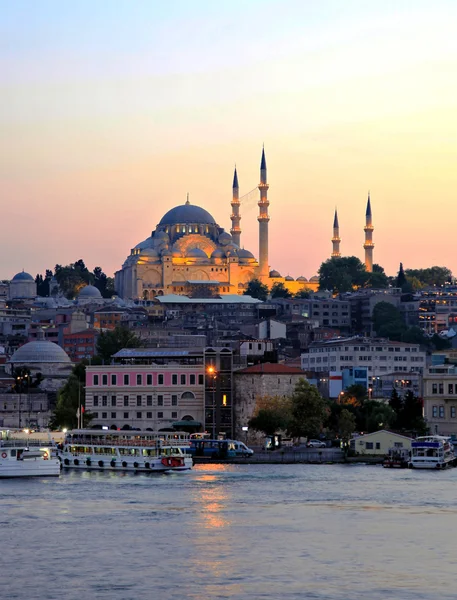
39 468
153 466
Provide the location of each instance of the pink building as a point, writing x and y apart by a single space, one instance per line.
148 388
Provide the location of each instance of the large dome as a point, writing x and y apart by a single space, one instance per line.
40 351
23 276
89 291
187 213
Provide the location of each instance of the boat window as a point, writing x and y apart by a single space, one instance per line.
13 452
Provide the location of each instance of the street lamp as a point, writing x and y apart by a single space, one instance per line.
212 373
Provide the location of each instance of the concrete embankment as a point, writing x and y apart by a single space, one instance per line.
330 456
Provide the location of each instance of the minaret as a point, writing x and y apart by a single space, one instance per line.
368 245
336 237
235 216
263 219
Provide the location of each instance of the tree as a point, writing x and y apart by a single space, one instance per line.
110 342
303 294
401 277
342 274
432 276
103 283
346 427
377 278
308 411
355 394
268 421
411 414
279 290
388 321
413 335
396 404
71 398
378 415
257 289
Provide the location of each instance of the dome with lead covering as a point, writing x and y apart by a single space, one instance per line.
40 351
23 276
187 213
89 291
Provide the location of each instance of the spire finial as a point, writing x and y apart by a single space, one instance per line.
187 201
335 219
368 212
235 180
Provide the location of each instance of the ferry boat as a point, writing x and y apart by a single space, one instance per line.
28 458
109 450
432 452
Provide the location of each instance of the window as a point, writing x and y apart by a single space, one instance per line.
113 400
95 417
149 415
174 400
139 415
183 379
191 379
138 400
104 415
126 400
434 388
149 379
452 412
95 379
441 388
174 379
149 400
104 379
159 400
113 415
160 379
369 445
450 388
160 415
95 400
434 411
139 379
174 415
113 379
398 444
126 379
441 412
126 415
200 379
378 445
104 400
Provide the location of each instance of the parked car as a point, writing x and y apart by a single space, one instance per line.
316 444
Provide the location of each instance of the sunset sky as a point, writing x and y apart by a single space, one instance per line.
111 111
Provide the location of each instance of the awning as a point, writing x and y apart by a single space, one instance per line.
187 424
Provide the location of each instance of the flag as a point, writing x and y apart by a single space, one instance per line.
77 414
82 410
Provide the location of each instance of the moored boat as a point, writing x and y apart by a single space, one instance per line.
121 451
397 458
432 452
28 458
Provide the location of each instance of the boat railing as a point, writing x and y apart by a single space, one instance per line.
120 442
26 443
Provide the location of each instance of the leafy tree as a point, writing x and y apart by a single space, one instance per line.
346 426
43 283
71 397
342 274
257 289
355 394
413 335
279 290
388 321
432 276
308 411
411 416
377 278
103 283
440 343
268 421
303 294
110 342
378 415
396 404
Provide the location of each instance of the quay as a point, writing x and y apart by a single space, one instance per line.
286 456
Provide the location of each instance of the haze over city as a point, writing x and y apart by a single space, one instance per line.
110 117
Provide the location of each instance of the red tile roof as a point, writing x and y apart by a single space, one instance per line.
272 369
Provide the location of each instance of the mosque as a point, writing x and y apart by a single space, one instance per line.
189 250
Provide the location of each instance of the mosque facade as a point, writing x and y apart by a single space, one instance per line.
189 250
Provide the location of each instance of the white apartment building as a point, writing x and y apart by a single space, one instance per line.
379 356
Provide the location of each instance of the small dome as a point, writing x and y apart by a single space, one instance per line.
149 252
301 278
89 291
218 253
242 253
161 235
147 243
196 253
187 213
40 351
289 278
314 278
225 238
23 276
274 274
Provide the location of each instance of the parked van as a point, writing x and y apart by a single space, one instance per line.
241 449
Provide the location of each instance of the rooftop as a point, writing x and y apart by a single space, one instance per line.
225 299
272 369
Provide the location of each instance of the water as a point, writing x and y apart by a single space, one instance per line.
231 531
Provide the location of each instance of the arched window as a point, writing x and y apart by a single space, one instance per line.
188 396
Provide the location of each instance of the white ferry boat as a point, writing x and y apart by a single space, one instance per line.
28 458
111 450
432 452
